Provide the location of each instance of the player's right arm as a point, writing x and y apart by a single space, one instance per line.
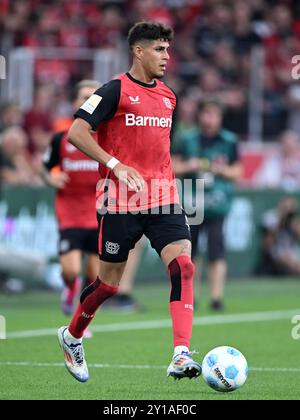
102 106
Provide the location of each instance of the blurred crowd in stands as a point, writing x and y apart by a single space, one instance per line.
209 57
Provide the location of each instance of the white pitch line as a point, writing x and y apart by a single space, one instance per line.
279 370
109 366
166 323
91 365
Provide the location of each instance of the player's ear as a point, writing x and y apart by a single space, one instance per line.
137 51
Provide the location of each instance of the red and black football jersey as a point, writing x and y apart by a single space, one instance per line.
75 203
133 121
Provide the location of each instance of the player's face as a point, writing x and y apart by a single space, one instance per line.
155 57
83 95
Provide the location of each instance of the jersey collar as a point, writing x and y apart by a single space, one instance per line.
148 85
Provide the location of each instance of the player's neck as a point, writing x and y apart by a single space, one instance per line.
139 73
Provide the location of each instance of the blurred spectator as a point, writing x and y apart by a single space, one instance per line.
274 108
281 240
110 32
213 27
245 36
210 82
226 62
293 100
211 153
153 10
38 125
10 115
184 60
186 116
17 16
15 164
282 169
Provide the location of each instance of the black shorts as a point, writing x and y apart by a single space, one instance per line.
119 232
85 240
213 230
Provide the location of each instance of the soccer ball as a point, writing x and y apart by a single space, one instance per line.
225 369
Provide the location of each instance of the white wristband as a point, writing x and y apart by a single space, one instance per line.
112 163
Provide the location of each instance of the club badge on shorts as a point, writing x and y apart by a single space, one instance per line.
112 248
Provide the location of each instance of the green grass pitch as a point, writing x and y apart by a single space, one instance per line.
129 360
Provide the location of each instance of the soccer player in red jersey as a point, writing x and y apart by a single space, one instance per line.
75 176
136 194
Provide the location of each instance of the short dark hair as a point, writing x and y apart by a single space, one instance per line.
149 31
94 84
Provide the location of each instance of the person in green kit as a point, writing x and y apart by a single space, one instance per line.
211 153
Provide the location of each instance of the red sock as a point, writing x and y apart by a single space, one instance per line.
91 298
181 272
73 285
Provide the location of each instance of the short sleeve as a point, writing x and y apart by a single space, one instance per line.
102 105
52 156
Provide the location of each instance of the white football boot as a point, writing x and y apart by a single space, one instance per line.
74 357
183 366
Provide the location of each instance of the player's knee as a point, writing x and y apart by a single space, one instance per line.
100 291
187 269
111 274
182 266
